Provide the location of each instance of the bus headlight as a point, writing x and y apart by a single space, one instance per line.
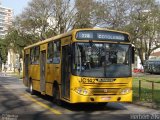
79 90
125 91
82 91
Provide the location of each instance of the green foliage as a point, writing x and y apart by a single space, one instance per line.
3 51
46 18
17 40
84 14
141 18
146 90
144 27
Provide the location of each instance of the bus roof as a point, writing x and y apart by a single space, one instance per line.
68 34
49 39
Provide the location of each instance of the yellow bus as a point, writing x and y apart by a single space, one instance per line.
81 66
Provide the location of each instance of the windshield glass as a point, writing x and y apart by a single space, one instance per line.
101 60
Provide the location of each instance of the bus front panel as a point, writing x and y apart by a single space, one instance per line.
89 90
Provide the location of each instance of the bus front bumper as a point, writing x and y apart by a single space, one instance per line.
78 98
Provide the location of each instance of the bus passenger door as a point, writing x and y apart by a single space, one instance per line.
26 82
66 66
42 71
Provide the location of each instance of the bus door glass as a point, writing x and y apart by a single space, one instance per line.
56 60
26 69
66 63
42 71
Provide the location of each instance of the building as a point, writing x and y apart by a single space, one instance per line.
6 18
155 55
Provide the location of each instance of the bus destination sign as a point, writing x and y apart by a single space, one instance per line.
101 35
110 36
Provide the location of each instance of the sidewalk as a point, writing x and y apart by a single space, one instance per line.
2 74
13 74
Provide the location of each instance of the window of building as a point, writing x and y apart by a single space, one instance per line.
1 24
2 20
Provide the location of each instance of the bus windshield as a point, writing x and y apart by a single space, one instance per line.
101 60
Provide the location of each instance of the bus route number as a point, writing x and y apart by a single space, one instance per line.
88 80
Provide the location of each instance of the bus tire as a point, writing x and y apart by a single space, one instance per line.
56 96
32 92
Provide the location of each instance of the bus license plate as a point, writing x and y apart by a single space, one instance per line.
105 98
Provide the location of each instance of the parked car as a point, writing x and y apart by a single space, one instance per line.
152 66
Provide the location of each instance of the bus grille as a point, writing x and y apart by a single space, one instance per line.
105 91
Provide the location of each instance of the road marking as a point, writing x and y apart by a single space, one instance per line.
43 105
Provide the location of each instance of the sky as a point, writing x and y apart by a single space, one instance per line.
17 5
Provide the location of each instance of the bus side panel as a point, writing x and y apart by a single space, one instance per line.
35 76
36 85
49 88
50 77
52 74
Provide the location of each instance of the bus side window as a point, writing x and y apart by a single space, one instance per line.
56 56
32 56
36 55
50 53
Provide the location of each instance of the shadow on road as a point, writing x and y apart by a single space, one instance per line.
12 106
11 103
78 107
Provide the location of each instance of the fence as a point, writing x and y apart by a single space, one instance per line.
149 91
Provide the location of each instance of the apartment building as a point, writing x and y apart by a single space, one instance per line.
6 18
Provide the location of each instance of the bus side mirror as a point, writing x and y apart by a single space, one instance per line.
133 55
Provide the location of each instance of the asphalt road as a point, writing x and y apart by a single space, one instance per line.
17 104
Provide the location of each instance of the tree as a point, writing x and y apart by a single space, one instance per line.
144 27
17 40
46 18
84 15
43 19
113 14
138 17
3 52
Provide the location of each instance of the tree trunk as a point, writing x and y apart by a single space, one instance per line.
140 53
